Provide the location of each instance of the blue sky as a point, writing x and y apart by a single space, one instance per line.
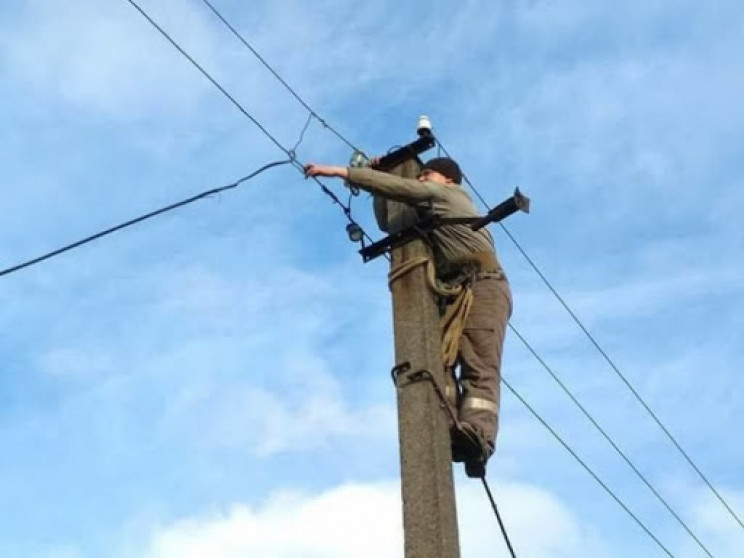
215 382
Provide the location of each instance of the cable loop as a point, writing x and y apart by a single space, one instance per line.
452 321
405 267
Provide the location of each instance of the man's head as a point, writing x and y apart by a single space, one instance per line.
441 169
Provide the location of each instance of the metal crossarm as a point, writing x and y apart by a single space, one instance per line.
420 229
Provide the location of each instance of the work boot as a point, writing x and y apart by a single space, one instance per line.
470 446
475 469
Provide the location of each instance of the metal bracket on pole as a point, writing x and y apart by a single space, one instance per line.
403 375
517 202
403 154
398 370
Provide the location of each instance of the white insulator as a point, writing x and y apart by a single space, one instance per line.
424 126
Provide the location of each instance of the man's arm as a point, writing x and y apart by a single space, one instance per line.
379 183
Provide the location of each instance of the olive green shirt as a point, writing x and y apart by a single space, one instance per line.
452 243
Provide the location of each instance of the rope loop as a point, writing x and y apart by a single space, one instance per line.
452 321
436 286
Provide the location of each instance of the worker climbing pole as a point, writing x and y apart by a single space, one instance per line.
451 303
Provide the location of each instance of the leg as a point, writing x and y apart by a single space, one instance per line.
481 347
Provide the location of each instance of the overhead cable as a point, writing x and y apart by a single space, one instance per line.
314 114
607 437
232 99
588 469
268 66
604 354
139 219
290 153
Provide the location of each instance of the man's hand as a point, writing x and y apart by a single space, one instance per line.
311 169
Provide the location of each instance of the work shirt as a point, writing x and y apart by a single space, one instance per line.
454 245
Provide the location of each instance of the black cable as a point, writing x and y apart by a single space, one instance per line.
208 76
498 518
588 469
604 354
136 220
624 379
312 113
290 153
609 440
277 76
302 134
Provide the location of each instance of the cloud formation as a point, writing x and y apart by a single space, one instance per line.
364 520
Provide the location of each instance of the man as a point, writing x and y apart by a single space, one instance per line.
458 252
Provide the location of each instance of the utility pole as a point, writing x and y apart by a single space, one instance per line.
429 513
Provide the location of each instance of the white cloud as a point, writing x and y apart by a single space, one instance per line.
350 520
291 398
103 56
364 520
641 288
270 421
709 519
231 362
718 530
218 361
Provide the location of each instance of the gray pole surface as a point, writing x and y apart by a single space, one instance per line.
429 513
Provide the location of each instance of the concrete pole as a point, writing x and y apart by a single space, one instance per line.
429 513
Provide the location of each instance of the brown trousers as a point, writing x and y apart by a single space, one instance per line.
481 347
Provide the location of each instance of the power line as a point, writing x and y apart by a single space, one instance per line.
498 517
139 219
209 77
312 113
587 468
268 66
604 354
289 152
289 88
607 437
625 380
